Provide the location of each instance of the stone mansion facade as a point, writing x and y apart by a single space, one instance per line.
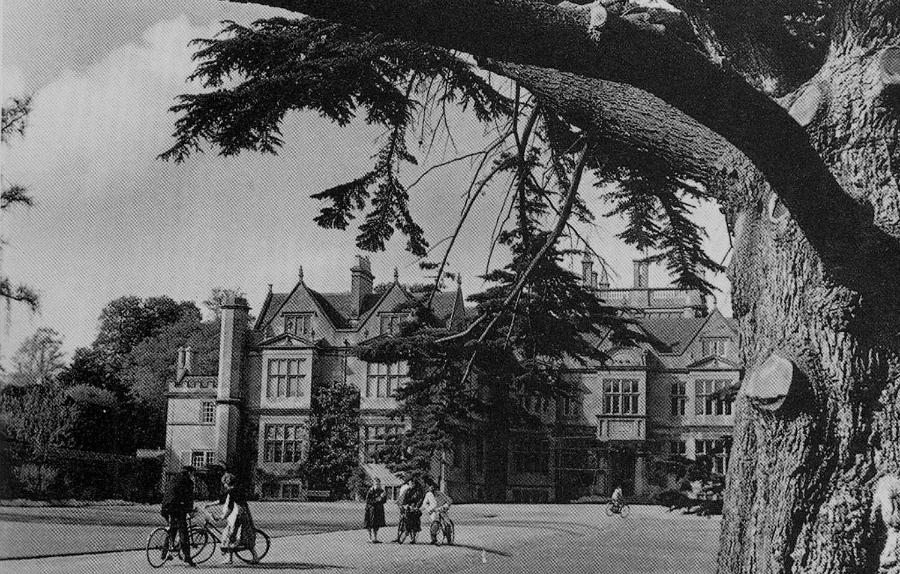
656 398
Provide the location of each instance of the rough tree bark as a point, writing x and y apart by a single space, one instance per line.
800 483
815 208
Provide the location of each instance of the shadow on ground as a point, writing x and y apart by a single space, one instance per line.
294 566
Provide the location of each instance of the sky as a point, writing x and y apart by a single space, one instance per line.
110 219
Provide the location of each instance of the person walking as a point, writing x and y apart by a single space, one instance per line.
239 532
177 503
374 517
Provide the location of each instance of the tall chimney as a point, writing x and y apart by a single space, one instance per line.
641 273
188 360
231 359
587 269
603 279
179 364
361 279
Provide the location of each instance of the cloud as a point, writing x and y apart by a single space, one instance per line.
99 126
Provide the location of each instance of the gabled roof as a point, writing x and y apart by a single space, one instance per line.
337 306
273 304
672 334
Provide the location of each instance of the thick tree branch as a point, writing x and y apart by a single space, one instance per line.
554 37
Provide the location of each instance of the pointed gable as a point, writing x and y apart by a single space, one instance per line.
395 300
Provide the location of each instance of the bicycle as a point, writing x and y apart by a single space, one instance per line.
161 549
444 525
404 526
208 535
203 541
620 508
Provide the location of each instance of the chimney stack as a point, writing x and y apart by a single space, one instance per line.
188 364
361 279
603 279
594 279
641 273
231 360
587 269
179 364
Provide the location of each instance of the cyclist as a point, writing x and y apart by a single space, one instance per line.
618 499
177 503
435 505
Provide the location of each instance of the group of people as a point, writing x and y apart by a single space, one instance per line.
178 504
414 499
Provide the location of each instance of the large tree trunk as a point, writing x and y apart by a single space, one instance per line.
800 482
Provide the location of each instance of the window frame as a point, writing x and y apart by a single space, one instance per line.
678 397
208 416
715 346
621 397
278 442
383 379
391 321
299 324
278 385
707 404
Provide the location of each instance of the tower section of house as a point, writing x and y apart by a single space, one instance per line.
191 416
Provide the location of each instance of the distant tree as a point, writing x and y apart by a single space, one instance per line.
334 441
126 321
91 366
39 358
14 119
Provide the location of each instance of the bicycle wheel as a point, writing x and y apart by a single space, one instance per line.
203 546
158 547
401 531
449 532
262 548
624 510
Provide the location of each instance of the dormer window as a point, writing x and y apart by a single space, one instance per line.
299 324
390 324
717 346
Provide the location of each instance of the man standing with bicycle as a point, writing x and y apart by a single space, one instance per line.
177 503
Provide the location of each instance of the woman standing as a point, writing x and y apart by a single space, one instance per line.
374 520
239 532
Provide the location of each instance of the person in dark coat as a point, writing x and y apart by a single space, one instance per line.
177 503
374 519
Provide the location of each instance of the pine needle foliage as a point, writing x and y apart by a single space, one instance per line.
255 75
657 211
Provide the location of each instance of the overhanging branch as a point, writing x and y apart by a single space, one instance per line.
538 34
